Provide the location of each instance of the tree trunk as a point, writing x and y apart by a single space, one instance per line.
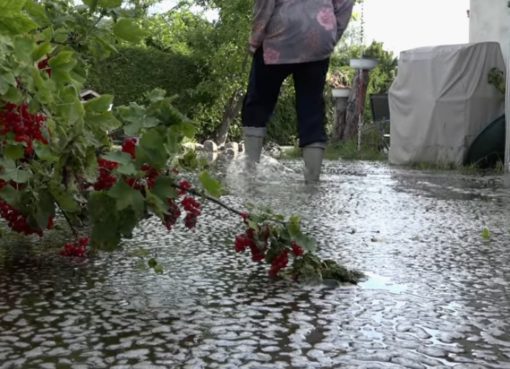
339 118
355 105
232 109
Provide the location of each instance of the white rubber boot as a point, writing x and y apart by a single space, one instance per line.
312 156
253 142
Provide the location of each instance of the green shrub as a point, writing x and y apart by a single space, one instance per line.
282 127
372 147
136 70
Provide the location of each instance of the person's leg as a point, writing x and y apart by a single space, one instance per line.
309 81
263 89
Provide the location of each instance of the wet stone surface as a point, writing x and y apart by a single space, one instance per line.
437 293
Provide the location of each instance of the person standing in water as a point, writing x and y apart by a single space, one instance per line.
292 37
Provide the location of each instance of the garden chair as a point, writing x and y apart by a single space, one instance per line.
381 115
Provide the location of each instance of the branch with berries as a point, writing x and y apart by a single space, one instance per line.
289 252
268 237
130 183
280 242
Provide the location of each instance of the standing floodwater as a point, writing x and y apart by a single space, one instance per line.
437 293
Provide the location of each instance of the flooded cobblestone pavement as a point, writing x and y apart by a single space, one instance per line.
437 293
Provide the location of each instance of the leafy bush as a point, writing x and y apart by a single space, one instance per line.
382 76
134 71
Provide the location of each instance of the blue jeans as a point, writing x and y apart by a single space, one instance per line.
264 86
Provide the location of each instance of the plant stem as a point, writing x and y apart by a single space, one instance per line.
222 204
68 220
211 199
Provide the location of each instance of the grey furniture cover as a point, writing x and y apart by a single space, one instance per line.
440 101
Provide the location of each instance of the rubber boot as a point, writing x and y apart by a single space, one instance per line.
253 142
312 156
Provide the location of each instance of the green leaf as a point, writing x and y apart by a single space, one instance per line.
11 172
44 88
64 59
126 165
187 129
13 95
105 221
15 24
294 226
120 157
44 152
7 80
59 35
10 195
126 196
177 131
103 121
41 51
164 188
71 109
135 118
152 263
128 30
156 204
308 268
37 13
252 224
92 4
8 6
189 160
275 250
99 104
149 149
13 151
100 47
24 48
127 169
110 4
306 242
105 236
128 219
155 95
211 185
90 170
141 253
61 66
173 146
45 208
63 198
486 234
158 269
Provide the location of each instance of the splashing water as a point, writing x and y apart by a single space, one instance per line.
269 174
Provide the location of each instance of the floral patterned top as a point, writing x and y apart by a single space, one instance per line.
298 31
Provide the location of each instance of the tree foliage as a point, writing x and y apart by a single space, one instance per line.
212 54
55 150
382 76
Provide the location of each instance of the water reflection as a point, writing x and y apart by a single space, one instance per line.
377 282
436 296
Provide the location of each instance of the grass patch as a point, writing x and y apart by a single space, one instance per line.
343 150
473 169
371 148
348 150
293 153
